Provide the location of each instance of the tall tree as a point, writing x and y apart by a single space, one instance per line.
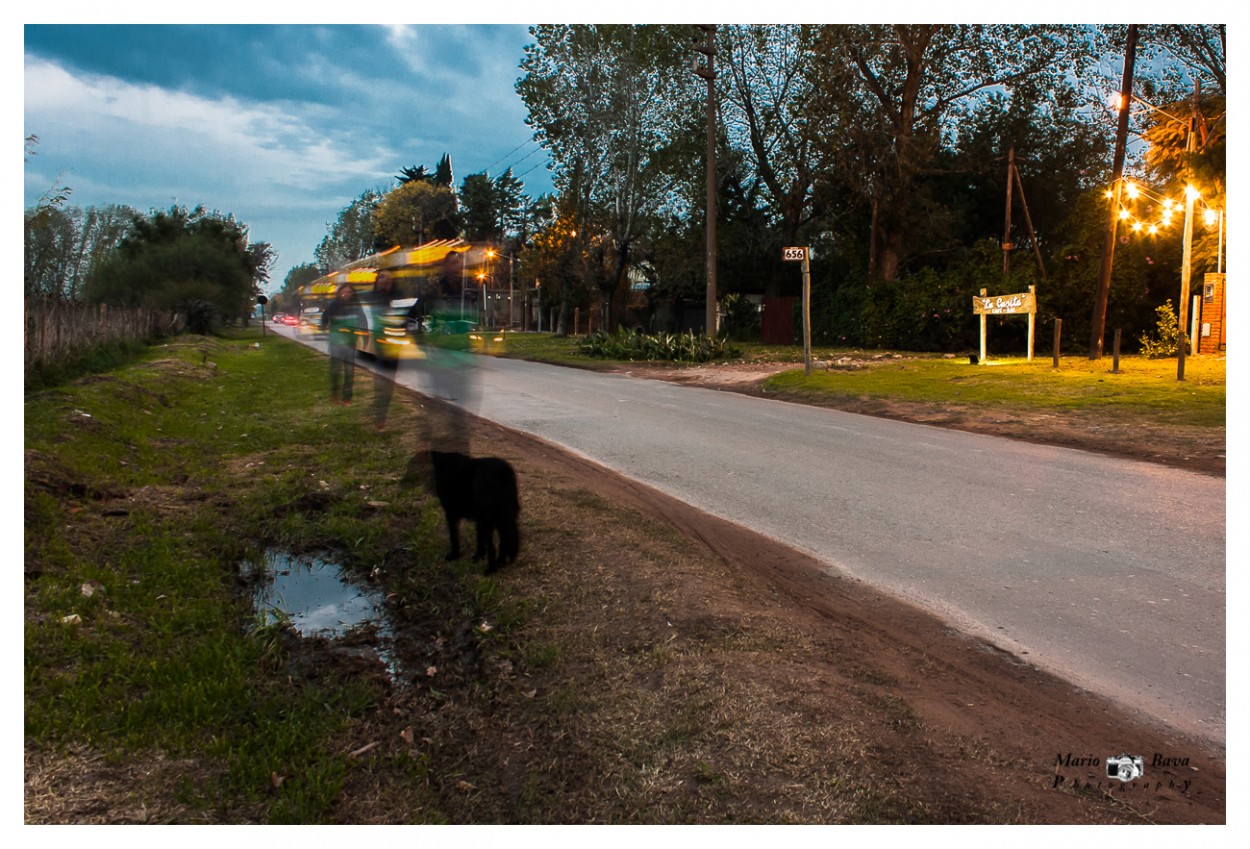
605 101
897 92
770 113
351 236
479 205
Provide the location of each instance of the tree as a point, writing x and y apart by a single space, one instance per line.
771 114
415 212
412 174
290 298
65 244
607 101
196 263
352 235
480 204
896 92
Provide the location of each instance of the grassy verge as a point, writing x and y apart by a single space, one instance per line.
1144 388
146 487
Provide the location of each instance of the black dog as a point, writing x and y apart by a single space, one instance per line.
481 489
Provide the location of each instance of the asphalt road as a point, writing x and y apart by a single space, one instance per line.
1110 573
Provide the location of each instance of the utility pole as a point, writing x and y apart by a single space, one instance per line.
1117 173
708 48
1182 340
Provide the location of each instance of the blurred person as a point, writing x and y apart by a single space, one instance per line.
341 321
386 359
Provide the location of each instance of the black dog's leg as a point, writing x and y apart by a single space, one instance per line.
453 532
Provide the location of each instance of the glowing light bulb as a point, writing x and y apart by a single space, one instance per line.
1137 226
1131 189
1209 217
1154 229
1123 214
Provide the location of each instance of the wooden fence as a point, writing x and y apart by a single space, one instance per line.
58 329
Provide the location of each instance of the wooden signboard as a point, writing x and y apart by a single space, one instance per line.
1020 304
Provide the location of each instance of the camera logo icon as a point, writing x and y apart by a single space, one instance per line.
1125 767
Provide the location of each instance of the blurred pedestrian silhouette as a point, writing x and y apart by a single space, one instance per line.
342 320
386 360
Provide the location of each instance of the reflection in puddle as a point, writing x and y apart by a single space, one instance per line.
319 599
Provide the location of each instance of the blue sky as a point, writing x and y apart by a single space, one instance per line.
281 126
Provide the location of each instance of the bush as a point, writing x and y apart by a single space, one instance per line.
1166 336
742 318
675 347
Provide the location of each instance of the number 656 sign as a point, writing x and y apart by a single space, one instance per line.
793 254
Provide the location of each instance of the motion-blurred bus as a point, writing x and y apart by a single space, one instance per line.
441 279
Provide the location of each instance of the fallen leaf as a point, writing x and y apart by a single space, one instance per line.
407 735
431 671
72 619
276 780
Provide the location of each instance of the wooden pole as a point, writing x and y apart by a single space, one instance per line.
982 360
1007 245
1115 357
1058 330
1103 291
1028 222
807 312
1032 320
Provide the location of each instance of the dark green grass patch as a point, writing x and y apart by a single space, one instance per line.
146 488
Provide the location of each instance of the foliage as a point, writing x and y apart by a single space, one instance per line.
65 246
1166 336
687 347
193 262
492 209
896 94
742 318
415 212
611 103
351 236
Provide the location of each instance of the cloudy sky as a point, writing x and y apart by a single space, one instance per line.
281 126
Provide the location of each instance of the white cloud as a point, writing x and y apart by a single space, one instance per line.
226 143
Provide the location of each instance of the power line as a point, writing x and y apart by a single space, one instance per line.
486 170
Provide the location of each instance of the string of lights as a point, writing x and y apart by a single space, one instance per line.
1160 212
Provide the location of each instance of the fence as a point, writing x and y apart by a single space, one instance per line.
58 329
777 321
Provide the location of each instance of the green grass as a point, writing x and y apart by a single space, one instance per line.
1143 387
150 484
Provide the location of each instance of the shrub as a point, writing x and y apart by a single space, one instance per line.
1166 335
685 347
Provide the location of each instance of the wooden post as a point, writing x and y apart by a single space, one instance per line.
1115 357
807 314
577 319
1032 322
1058 329
982 360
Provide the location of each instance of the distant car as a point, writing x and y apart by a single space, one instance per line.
277 317
310 321
290 320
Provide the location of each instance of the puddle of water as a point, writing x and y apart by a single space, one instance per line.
319 599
